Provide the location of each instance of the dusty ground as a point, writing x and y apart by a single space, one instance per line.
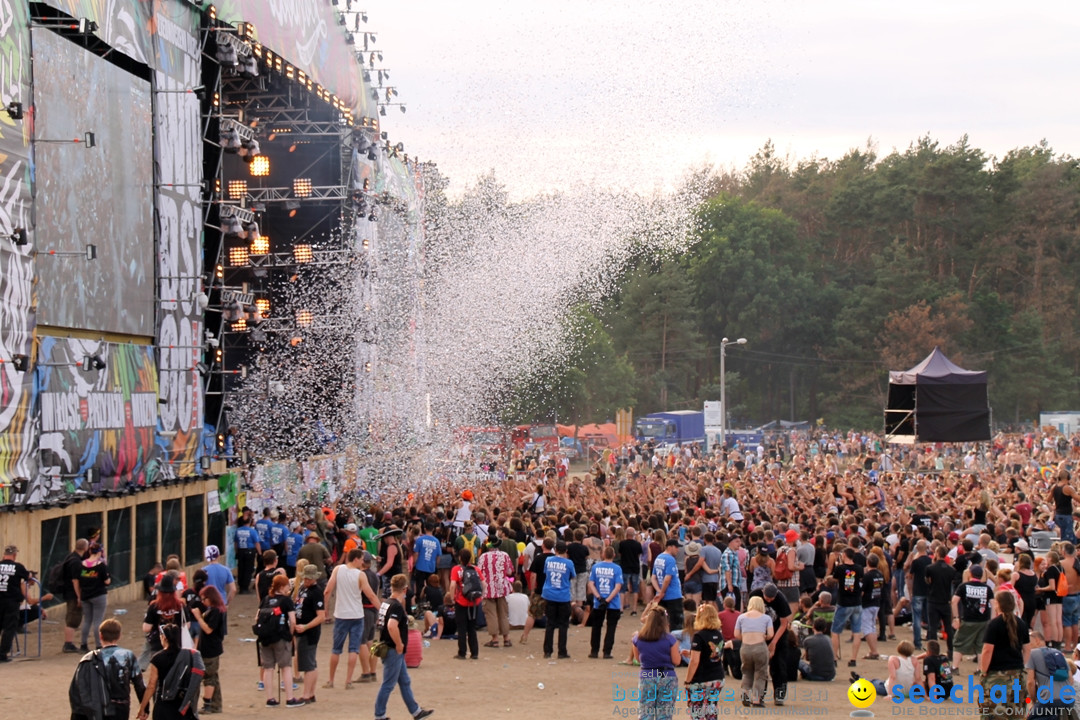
504 682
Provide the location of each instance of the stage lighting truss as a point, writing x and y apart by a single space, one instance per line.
315 193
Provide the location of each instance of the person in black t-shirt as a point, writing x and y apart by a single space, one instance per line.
209 613
1005 645
848 599
705 677
13 577
394 631
310 615
630 552
916 572
939 581
937 669
278 652
266 575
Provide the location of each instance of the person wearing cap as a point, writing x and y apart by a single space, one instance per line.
352 539
972 609
293 542
370 534
463 512
248 548
310 616
13 591
218 575
389 556
665 583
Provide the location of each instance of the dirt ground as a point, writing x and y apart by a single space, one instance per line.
504 682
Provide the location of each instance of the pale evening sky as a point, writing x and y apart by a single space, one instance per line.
558 94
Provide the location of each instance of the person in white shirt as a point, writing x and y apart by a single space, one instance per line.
517 607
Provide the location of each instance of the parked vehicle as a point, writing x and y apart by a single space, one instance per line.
678 427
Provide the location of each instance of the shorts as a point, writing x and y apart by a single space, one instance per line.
969 638
351 628
371 619
73 616
868 621
537 607
845 616
790 593
307 646
278 654
691 587
1070 610
709 591
631 582
578 587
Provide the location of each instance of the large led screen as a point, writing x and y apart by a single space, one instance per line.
101 195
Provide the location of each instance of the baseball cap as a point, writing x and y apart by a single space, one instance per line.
1022 545
212 553
294 525
954 536
976 571
769 591
351 527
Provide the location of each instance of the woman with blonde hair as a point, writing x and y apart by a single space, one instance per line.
705 677
754 629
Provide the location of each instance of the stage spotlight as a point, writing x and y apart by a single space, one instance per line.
21 363
382 110
91 252
229 139
303 254
15 110
248 68
87 26
260 166
231 226
302 187
304 318
292 206
237 189
202 368
93 362
225 53
19 236
238 256
89 140
249 150
251 231
240 325
263 306
260 245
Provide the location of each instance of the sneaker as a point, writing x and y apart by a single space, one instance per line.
271 703
84 649
564 656
260 686
295 702
851 663
607 656
547 656
70 648
593 656
423 714
4 659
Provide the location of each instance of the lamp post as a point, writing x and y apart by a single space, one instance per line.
723 389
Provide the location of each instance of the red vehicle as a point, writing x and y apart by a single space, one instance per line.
527 437
483 440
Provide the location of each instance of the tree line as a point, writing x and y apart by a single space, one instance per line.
837 271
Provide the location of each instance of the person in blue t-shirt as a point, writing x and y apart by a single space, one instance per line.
293 542
262 526
218 575
558 572
248 548
278 532
605 584
426 551
665 580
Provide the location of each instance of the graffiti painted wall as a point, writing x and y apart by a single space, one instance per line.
179 154
307 33
94 418
126 25
17 439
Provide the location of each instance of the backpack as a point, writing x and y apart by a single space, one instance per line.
54 578
184 680
471 587
470 543
783 572
1056 666
1062 587
267 627
88 693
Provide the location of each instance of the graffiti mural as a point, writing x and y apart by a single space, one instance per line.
123 24
17 437
100 416
179 156
307 33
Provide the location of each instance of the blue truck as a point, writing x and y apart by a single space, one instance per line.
677 427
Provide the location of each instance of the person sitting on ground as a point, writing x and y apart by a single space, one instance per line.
819 663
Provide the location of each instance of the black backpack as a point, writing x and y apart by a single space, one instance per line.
268 623
54 578
472 588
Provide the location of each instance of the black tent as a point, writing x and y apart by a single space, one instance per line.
937 401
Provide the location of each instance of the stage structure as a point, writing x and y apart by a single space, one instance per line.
937 401
215 262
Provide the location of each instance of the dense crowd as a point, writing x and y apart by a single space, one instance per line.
746 566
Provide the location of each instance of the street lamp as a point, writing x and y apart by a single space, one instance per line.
723 389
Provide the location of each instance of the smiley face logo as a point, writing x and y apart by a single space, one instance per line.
862 693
